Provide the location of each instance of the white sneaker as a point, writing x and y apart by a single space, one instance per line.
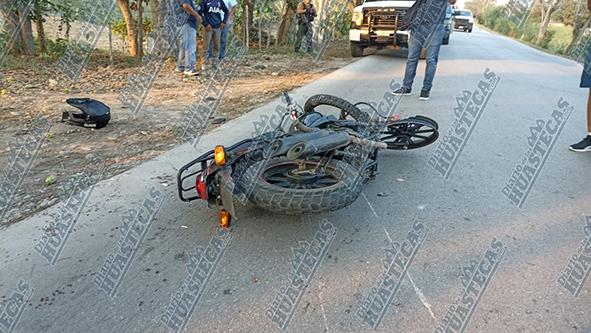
191 73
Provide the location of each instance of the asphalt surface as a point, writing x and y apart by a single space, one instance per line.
458 220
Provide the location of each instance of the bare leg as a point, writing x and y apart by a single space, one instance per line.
585 144
589 113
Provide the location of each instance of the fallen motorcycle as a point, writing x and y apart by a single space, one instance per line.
319 164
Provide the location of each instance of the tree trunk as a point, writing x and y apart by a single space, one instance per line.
39 27
158 14
11 26
261 29
131 35
159 8
249 6
247 27
140 29
41 35
323 16
110 45
578 31
26 32
268 35
283 31
546 14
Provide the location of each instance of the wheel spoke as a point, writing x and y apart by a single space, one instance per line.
284 176
429 130
389 137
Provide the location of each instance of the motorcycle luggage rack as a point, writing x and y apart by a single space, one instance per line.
181 178
203 159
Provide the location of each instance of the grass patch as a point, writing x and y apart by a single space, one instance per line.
56 49
561 37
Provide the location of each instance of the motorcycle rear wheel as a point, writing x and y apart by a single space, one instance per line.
337 102
279 186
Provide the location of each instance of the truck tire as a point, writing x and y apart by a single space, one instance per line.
338 103
445 40
356 50
470 30
293 200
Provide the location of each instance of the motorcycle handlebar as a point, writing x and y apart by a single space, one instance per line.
287 98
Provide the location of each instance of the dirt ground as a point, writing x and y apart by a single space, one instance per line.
32 87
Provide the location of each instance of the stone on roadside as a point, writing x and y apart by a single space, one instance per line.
50 180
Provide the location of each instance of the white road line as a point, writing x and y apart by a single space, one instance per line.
322 308
377 217
419 293
421 296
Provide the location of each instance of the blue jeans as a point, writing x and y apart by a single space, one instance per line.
432 56
223 39
187 48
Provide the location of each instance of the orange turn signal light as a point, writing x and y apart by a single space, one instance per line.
219 155
225 219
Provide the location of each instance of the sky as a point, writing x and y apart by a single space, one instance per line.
460 3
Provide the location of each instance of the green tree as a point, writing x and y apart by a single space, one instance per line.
582 21
478 7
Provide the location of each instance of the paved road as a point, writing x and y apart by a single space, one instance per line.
463 216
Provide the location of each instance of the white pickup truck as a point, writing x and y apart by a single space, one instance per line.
374 24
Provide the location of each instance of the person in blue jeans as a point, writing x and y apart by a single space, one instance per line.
215 14
432 44
188 43
229 26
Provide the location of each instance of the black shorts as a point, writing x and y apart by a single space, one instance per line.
586 77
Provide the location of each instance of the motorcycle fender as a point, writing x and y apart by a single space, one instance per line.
227 189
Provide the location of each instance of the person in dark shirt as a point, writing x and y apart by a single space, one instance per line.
228 27
214 22
585 144
188 43
305 12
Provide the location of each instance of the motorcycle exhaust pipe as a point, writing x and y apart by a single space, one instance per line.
369 143
330 142
319 145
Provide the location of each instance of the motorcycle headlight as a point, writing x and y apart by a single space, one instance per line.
357 18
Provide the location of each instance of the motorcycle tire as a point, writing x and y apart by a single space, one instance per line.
338 103
293 200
